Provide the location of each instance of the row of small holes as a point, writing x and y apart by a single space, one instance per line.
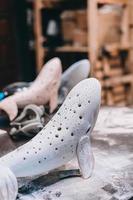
55 149
59 129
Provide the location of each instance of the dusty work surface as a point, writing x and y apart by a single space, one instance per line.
112 179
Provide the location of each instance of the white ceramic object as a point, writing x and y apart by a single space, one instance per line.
42 91
75 73
66 136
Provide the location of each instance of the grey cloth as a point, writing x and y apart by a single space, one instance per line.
29 122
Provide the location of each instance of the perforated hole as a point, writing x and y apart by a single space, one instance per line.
59 129
45 158
79 105
56 136
88 129
56 148
24 158
67 128
72 134
80 117
89 101
39 161
62 140
74 111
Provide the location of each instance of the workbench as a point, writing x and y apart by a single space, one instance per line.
112 179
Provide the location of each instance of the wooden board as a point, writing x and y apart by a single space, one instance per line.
121 80
113 1
93 31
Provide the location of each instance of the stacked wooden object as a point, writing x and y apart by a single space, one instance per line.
115 80
74 27
75 30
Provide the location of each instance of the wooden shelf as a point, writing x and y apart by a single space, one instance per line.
109 47
49 3
69 49
72 49
116 81
113 1
109 82
117 46
92 23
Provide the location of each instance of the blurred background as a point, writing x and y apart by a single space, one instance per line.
33 31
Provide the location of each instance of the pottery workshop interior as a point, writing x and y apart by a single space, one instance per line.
66 99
